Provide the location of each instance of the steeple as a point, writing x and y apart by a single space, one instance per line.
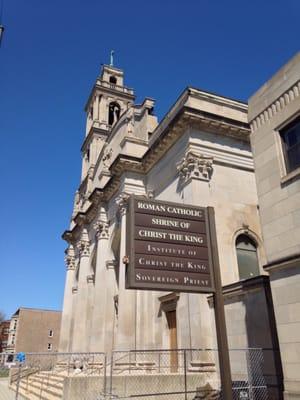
108 100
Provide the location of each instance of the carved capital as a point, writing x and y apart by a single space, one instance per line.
195 166
101 228
150 194
90 279
84 244
106 157
70 258
122 202
74 289
90 173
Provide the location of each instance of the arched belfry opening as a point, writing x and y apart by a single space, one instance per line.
246 251
114 111
113 80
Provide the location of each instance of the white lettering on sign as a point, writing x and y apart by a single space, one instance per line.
152 207
153 278
152 263
195 282
152 234
171 236
171 223
170 209
165 250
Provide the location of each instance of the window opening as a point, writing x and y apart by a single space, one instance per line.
290 136
113 80
113 113
246 251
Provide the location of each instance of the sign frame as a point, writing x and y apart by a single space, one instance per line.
131 250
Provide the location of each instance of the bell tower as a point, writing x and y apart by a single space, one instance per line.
108 100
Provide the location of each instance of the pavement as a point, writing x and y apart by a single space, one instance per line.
5 392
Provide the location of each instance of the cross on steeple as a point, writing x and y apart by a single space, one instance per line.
112 58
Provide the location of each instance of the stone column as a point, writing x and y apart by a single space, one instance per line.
98 319
195 174
80 336
96 108
126 331
65 330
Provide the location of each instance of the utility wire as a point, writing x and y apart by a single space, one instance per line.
1 10
1 26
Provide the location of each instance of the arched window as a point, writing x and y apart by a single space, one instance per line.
113 80
113 113
246 251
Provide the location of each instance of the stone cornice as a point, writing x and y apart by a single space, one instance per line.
276 106
241 287
178 120
283 263
100 133
97 88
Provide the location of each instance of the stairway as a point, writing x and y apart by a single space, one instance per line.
41 386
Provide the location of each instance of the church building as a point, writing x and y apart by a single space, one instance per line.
199 154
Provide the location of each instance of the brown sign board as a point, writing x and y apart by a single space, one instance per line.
168 246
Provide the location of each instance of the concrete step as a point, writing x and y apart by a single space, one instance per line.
198 363
45 383
53 378
36 391
201 369
39 388
44 387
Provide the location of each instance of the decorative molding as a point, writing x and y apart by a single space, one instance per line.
106 157
84 244
122 202
180 119
70 258
130 120
274 108
75 289
292 261
111 264
90 278
101 227
169 301
150 194
195 166
90 172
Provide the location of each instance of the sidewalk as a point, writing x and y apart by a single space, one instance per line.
5 392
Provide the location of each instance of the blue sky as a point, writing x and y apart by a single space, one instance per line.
49 59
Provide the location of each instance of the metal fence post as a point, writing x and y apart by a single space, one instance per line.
104 376
185 376
159 362
18 381
111 374
249 371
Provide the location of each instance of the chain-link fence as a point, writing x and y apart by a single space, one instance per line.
185 374
44 374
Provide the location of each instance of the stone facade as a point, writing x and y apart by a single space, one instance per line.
272 110
34 330
199 154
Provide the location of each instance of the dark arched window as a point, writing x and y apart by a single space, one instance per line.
246 251
113 113
113 80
